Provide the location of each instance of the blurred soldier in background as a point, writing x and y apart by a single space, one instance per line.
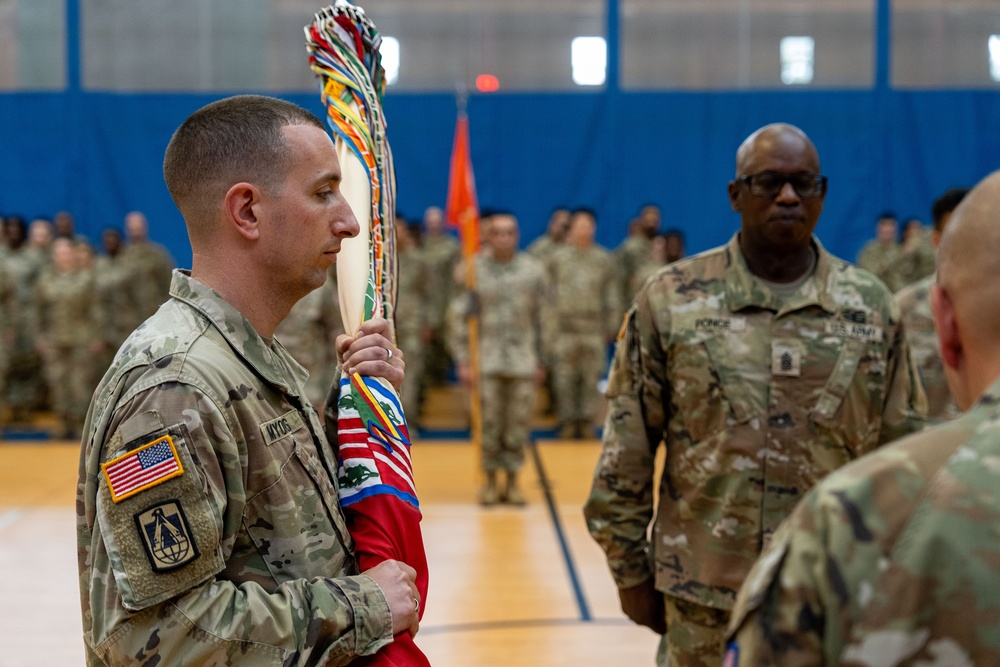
441 254
915 306
28 258
116 297
881 255
67 321
555 235
636 250
587 310
149 264
309 333
509 298
542 249
916 253
412 328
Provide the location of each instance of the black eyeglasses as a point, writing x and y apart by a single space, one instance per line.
770 183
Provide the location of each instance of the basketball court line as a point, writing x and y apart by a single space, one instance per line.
543 480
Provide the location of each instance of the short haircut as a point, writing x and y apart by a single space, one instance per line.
585 210
237 139
946 203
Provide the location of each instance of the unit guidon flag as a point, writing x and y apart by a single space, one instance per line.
142 468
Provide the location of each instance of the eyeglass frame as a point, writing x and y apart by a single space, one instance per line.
818 179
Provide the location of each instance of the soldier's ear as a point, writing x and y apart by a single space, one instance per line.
947 327
734 196
242 209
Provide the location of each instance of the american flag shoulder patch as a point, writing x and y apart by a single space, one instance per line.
142 468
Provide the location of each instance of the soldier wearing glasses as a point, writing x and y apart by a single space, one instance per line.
762 365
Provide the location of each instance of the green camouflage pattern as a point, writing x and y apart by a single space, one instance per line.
918 320
441 254
543 247
8 312
890 561
411 319
274 581
66 309
586 314
509 300
25 385
883 260
756 399
68 320
114 291
917 259
631 254
150 266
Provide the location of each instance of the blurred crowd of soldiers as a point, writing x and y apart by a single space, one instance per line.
65 307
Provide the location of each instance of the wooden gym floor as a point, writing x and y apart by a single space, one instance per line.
509 587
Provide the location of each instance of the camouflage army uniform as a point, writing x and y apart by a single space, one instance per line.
412 297
629 257
543 247
258 568
756 401
8 306
441 255
511 296
150 265
25 384
882 260
890 561
67 322
587 314
916 261
309 333
918 320
121 313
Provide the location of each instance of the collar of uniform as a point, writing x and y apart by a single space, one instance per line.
743 289
237 331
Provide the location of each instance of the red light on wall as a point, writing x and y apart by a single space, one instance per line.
487 83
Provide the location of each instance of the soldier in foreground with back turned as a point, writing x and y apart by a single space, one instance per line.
763 366
892 560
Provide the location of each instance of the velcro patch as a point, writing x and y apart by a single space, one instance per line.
142 468
286 424
868 332
733 324
166 536
786 359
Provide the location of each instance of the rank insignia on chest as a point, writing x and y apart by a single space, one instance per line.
142 468
786 359
166 535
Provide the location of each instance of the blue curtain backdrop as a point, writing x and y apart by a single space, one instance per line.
98 155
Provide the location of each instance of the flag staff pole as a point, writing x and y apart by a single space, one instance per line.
471 217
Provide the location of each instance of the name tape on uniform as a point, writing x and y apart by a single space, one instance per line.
868 332
733 324
286 424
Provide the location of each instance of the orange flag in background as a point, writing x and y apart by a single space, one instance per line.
462 210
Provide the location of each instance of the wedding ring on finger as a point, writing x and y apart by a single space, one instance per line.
416 606
388 355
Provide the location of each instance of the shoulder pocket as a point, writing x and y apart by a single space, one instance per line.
162 533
